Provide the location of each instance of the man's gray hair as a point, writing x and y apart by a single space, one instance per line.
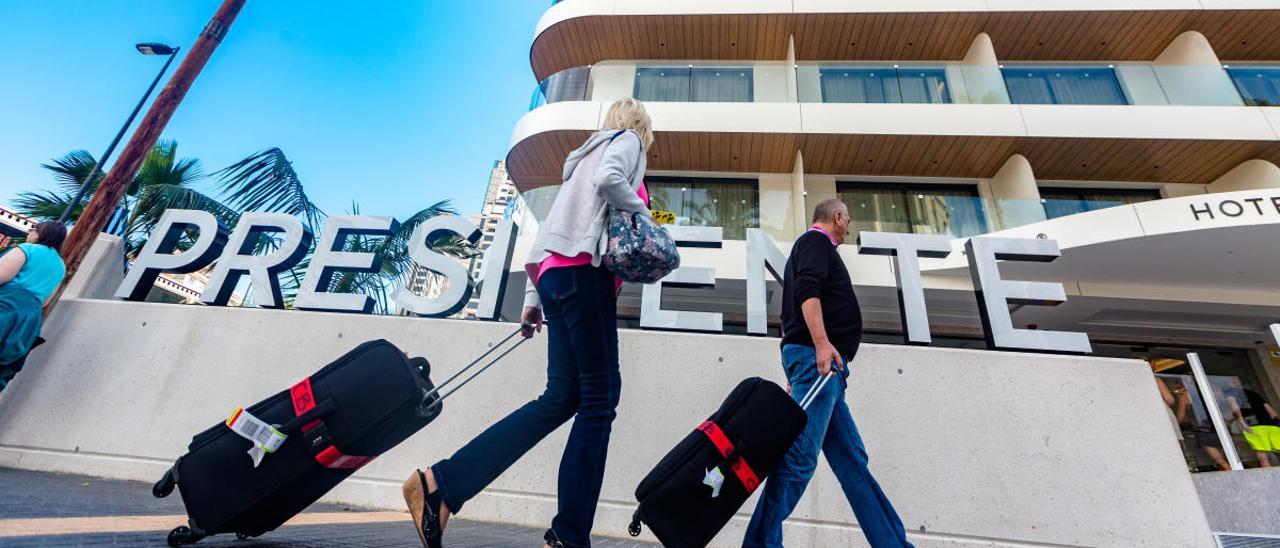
827 209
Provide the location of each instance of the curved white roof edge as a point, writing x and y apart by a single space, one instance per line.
1245 208
1063 121
571 9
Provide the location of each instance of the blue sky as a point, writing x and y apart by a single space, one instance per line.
394 106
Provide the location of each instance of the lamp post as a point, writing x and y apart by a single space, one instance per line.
145 48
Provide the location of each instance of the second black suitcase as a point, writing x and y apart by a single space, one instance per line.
693 492
335 421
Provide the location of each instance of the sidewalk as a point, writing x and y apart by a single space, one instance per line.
42 509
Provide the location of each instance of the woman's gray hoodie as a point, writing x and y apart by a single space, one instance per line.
605 171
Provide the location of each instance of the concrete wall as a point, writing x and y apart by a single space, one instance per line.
1242 501
975 448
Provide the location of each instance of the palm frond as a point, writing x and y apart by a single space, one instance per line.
47 205
163 167
266 181
155 199
71 169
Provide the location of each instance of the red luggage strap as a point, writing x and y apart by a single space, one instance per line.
329 456
739 466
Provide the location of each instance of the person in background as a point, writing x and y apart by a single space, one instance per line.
29 274
1260 423
1176 402
580 299
821 332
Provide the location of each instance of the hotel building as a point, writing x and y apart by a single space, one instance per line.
1136 134
1142 135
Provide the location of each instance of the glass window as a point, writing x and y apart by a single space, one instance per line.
1064 86
1060 202
733 204
567 85
884 85
1260 86
703 84
954 210
1241 397
662 84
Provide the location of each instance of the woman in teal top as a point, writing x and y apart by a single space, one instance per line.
29 274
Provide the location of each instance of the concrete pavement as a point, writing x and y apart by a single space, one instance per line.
43 509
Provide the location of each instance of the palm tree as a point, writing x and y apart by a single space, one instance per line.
263 181
164 181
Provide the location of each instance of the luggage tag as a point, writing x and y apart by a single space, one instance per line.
265 438
715 479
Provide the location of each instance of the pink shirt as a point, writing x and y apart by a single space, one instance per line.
827 234
557 260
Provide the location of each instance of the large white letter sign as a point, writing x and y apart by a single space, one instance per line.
239 259
652 316
761 255
496 263
458 289
158 255
906 250
995 295
329 259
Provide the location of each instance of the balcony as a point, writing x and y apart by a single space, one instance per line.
1101 122
913 30
916 83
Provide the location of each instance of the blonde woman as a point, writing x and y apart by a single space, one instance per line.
579 299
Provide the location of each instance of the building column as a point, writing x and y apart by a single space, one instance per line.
1015 196
1189 73
981 52
793 92
1250 175
977 79
798 219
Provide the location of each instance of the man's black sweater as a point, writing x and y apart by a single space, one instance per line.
815 269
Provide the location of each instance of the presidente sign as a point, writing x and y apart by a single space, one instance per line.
235 259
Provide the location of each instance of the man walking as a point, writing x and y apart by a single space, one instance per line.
822 327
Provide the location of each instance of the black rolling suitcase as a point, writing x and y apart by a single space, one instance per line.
693 492
319 431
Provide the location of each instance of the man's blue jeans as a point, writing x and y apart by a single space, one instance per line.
831 430
582 379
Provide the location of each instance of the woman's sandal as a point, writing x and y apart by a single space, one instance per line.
427 520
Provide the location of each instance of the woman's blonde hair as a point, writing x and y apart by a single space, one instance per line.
629 113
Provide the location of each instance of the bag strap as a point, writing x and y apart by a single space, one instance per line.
316 433
638 156
730 452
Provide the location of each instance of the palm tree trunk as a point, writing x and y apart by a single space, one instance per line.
113 187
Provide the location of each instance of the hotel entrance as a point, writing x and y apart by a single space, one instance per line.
1245 397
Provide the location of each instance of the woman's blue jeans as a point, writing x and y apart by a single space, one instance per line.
580 308
831 430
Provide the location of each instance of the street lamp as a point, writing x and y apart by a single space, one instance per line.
145 48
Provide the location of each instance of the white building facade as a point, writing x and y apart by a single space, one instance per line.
1140 135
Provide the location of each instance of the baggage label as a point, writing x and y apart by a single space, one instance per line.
265 438
715 479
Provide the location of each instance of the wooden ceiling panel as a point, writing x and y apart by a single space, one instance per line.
1236 35
537 160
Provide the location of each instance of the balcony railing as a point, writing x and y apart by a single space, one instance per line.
837 82
862 83
956 216
1259 86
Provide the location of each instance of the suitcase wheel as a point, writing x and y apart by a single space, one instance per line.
634 528
164 487
183 535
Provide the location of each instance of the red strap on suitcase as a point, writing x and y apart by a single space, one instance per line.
304 400
739 466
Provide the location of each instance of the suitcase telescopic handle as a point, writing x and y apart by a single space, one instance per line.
813 392
427 396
